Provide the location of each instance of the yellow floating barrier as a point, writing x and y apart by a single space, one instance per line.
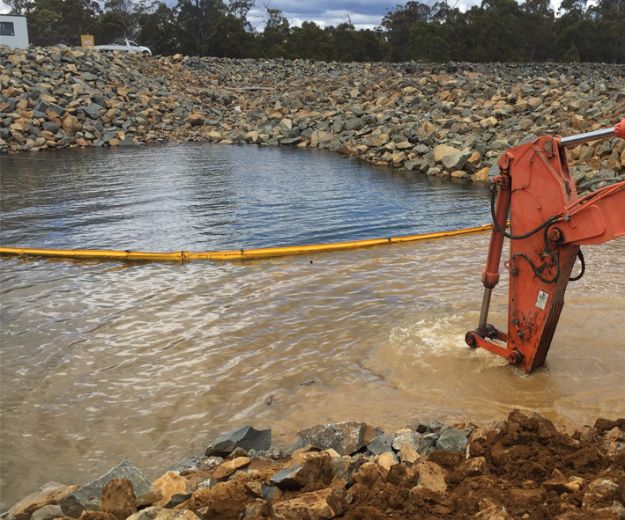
233 254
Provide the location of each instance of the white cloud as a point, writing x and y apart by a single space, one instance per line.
363 13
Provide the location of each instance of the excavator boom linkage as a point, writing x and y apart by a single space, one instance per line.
548 224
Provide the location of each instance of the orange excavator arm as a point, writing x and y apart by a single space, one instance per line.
548 224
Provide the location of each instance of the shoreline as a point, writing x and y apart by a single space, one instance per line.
445 120
521 467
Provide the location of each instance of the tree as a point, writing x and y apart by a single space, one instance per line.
51 22
309 42
496 29
158 29
275 35
398 24
197 24
19 7
538 30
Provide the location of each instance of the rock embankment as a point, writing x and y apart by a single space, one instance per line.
444 120
521 468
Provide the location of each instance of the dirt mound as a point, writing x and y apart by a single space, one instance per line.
520 468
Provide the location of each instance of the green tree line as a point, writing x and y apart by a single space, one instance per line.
495 30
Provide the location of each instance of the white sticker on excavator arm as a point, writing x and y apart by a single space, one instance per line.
541 301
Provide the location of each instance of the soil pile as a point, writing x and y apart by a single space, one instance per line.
520 468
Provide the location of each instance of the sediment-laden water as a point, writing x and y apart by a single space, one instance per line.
105 361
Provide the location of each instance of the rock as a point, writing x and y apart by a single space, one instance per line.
47 513
193 464
71 124
481 175
270 492
310 468
369 474
230 466
398 157
92 110
324 504
387 460
346 437
475 466
563 485
177 499
417 442
431 477
443 150
493 512
291 141
408 454
381 444
614 443
118 498
380 109
456 160
257 510
97 515
88 496
196 119
601 492
168 485
227 500
379 139
51 493
246 438
577 122
488 122
452 439
158 513
354 123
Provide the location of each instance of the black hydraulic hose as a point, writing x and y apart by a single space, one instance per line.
582 263
493 191
537 270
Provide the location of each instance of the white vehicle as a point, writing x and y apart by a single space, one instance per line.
125 46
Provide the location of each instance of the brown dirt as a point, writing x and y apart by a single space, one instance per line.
521 468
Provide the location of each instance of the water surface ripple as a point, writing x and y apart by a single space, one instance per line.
105 361
217 197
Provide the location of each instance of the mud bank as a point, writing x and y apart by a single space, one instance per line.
523 467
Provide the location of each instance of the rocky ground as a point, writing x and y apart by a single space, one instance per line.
521 468
444 120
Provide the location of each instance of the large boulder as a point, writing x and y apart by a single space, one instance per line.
159 513
118 498
345 438
309 469
89 495
316 505
51 493
246 438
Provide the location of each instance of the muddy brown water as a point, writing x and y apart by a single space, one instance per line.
106 361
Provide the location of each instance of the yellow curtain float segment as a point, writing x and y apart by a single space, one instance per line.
233 254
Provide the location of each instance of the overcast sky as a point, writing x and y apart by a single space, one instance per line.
362 13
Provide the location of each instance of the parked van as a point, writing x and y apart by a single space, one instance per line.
13 31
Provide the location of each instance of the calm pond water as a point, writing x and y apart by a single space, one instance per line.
218 197
105 361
